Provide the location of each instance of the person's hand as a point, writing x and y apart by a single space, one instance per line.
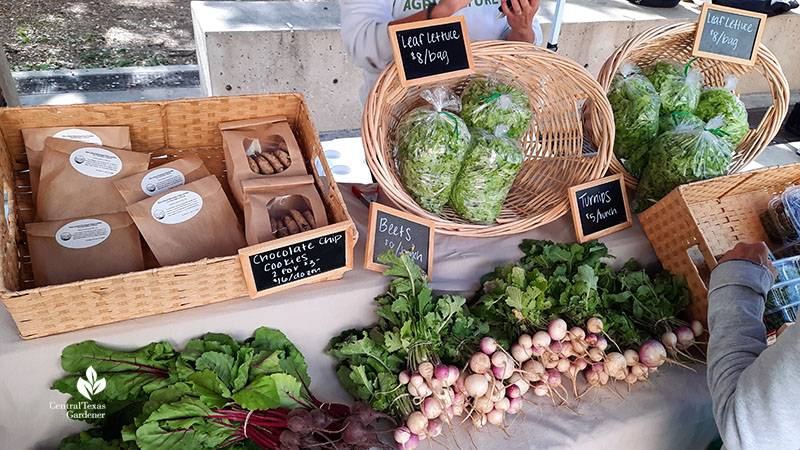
446 8
755 252
520 18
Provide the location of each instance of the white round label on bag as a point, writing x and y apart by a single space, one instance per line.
176 207
95 162
162 180
76 134
83 233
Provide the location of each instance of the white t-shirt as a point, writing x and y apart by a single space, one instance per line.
366 38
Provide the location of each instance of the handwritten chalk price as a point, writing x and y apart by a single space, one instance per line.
431 50
599 208
728 34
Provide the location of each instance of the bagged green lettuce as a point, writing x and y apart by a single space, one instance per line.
681 156
668 122
678 86
487 173
489 103
431 143
635 104
716 101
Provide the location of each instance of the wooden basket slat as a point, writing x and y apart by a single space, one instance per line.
553 146
171 129
675 42
713 215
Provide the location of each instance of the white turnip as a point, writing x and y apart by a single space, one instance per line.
566 349
577 333
557 329
596 355
521 353
541 339
591 339
483 405
594 325
540 389
434 428
502 404
525 341
532 370
652 353
499 359
402 435
476 385
513 391
697 328
502 373
452 375
431 408
480 363
417 423
601 343
515 405
426 370
441 373
488 345
685 337
495 417
416 380
631 357
556 347
404 377
410 444
563 365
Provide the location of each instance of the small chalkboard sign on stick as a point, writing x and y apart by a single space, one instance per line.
308 257
431 50
391 229
728 34
599 207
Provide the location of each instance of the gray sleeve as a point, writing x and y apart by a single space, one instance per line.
365 34
753 388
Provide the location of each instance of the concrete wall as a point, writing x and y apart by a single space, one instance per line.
256 47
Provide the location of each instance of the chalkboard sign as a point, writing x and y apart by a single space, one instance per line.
431 50
599 207
391 229
317 255
728 34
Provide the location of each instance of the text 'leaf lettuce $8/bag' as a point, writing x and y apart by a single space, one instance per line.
486 175
431 143
681 156
488 103
636 105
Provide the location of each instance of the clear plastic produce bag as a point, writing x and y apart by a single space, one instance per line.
635 104
681 156
678 86
715 101
669 122
488 103
431 143
488 171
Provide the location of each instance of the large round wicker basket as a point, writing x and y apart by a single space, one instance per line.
556 155
674 42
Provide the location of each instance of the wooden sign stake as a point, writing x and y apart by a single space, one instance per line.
369 254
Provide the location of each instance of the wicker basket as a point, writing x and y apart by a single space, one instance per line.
675 42
555 158
170 128
711 215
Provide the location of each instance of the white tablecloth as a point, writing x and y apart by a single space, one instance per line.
673 412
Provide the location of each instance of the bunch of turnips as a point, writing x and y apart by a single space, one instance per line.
671 129
464 151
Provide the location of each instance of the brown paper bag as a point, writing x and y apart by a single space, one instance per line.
259 149
70 250
161 179
78 179
280 207
189 223
115 137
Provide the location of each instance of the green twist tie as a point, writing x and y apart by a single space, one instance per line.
455 122
686 67
717 132
491 97
678 113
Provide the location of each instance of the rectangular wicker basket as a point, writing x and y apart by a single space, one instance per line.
167 130
698 222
